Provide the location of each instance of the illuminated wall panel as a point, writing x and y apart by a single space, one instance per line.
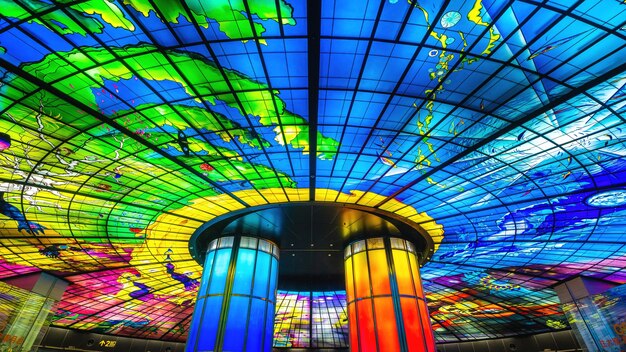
329 326
292 325
26 304
596 312
386 305
237 297
311 319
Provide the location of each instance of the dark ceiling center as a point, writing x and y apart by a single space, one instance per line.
311 236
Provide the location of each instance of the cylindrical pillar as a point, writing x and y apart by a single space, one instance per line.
386 306
237 296
27 304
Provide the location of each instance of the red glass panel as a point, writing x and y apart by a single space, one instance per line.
367 339
428 330
386 325
413 325
354 336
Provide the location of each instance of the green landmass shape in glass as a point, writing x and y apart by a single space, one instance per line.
254 97
170 115
230 15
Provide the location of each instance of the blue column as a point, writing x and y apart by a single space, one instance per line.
237 296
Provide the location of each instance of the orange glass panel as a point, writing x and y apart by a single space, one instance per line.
349 280
412 325
354 335
416 276
367 275
430 341
361 277
428 330
367 339
379 272
386 327
403 272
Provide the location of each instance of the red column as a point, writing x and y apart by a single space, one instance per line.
386 306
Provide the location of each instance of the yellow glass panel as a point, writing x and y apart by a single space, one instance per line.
379 272
349 279
361 275
403 272
416 276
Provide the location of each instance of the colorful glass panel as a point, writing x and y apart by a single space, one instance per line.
229 316
498 126
388 289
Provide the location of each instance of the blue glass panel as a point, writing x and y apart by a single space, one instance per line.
219 271
273 278
195 323
208 266
261 275
269 327
209 324
257 329
244 271
234 336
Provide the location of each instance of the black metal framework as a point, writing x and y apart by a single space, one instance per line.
83 263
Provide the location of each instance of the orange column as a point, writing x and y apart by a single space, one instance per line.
386 306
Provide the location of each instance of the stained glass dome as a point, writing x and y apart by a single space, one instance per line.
496 125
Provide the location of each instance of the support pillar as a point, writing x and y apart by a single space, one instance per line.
596 311
237 296
26 304
386 306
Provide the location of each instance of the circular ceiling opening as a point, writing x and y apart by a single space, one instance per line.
311 237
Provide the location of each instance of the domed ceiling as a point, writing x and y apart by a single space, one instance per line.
496 125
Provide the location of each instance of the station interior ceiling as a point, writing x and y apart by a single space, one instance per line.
494 125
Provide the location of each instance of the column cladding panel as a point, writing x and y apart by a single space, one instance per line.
387 309
237 297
